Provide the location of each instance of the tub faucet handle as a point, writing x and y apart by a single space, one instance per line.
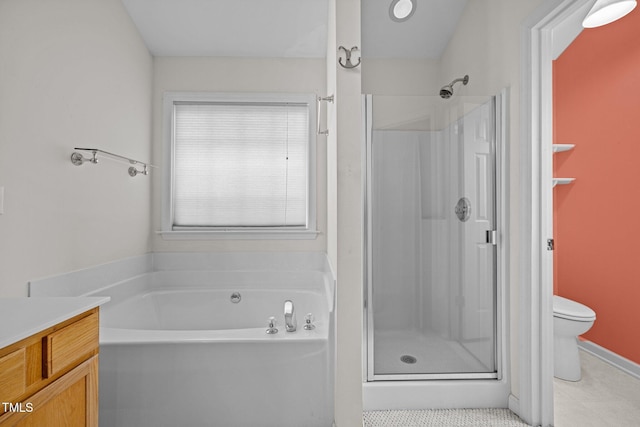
308 322
271 329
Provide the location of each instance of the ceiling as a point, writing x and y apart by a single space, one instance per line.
244 28
286 28
424 35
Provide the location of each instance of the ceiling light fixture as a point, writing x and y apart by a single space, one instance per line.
604 12
401 10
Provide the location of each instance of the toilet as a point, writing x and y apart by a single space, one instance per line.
570 319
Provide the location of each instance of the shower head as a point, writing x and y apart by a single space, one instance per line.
447 91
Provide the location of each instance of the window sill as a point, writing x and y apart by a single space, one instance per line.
239 234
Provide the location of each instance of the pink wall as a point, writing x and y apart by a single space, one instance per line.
597 218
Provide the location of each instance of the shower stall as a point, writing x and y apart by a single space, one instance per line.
432 296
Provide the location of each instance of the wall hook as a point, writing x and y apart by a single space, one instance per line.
348 52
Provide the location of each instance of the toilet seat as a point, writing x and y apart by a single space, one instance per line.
567 309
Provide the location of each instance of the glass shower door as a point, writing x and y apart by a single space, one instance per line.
431 254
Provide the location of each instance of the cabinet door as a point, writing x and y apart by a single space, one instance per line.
13 375
72 400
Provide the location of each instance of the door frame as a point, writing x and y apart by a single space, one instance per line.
494 386
545 34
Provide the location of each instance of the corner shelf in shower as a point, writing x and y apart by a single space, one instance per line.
558 148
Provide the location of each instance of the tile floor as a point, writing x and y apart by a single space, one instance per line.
443 418
606 396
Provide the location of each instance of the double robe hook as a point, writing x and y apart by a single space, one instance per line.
347 63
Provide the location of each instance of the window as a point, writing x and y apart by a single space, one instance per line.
240 164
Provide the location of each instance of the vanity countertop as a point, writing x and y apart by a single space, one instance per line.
23 316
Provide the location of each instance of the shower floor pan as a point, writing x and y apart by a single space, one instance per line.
417 352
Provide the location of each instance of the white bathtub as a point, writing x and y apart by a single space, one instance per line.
175 351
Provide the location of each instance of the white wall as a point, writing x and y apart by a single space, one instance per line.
396 223
401 76
73 73
438 184
345 250
238 75
405 93
487 47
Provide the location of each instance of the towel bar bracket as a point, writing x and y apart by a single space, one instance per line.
78 159
320 100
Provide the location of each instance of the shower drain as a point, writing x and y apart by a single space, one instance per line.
408 359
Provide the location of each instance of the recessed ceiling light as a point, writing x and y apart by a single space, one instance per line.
401 10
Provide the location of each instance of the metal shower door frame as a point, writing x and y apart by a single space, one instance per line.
499 111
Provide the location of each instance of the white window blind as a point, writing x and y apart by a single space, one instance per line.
240 164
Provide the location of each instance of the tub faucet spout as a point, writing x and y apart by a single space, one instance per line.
289 316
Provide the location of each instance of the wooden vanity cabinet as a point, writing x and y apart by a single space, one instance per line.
50 379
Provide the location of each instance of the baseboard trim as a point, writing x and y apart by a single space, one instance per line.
514 404
611 358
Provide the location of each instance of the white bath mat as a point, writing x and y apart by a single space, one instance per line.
443 418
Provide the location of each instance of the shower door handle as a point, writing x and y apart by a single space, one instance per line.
492 237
